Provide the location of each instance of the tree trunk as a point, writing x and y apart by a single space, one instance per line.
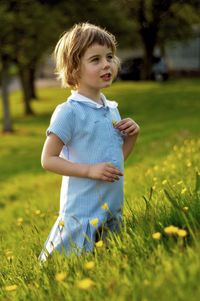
32 82
25 82
149 32
148 61
7 124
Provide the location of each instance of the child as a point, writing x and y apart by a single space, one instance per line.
87 142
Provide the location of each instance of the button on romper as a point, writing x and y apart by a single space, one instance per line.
89 137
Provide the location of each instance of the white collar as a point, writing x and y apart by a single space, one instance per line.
81 98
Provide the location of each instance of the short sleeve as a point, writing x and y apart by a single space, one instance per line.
61 123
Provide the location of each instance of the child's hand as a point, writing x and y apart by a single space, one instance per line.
127 127
104 171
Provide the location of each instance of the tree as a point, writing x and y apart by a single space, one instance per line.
5 59
36 30
160 21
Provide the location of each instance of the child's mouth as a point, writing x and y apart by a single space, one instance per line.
106 76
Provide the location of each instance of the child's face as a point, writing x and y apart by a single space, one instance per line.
97 68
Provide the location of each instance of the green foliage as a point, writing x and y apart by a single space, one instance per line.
161 189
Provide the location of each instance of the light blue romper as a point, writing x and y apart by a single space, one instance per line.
89 137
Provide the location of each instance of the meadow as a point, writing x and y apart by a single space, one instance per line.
156 254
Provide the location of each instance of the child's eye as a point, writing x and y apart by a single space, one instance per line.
110 57
95 59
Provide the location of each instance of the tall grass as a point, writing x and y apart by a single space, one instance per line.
156 254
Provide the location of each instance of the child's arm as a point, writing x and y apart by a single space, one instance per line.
51 161
129 127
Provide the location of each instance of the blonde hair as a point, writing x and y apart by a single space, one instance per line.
72 46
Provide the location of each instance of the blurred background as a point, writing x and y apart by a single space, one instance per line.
157 40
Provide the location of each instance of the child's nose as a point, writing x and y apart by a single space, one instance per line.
106 63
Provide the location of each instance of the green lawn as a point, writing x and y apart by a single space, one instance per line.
162 184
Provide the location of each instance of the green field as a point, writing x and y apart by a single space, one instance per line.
162 188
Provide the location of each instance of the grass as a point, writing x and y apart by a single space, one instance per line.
162 186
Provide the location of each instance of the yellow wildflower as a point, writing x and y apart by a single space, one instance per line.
156 235
99 244
94 222
61 223
60 276
183 191
182 232
114 122
164 182
10 288
185 209
37 212
105 206
179 182
171 230
19 221
85 283
10 258
89 265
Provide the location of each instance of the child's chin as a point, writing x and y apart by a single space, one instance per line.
107 84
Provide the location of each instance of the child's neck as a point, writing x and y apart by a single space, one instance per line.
94 95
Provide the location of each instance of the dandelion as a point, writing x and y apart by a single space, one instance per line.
181 233
37 212
11 288
94 222
114 122
164 182
19 221
105 206
89 265
171 230
179 182
183 191
85 283
156 235
99 244
155 167
60 276
185 209
61 223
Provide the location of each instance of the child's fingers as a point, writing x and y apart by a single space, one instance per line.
125 126
119 123
111 176
134 132
130 129
107 179
114 170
